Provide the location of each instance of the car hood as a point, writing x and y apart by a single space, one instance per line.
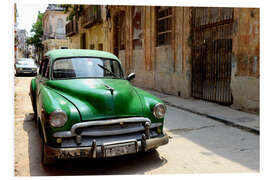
94 100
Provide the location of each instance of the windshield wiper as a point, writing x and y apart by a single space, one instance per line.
108 70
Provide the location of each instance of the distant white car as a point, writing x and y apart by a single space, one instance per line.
25 66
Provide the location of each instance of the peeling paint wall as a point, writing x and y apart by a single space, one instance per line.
167 68
245 82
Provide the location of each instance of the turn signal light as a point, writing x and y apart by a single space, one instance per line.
59 140
159 130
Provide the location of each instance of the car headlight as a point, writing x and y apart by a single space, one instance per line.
159 111
58 118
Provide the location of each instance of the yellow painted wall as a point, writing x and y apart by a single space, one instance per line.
97 34
94 35
50 44
74 42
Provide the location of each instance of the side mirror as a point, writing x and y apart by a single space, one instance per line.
131 76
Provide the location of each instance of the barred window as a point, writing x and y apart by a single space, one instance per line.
121 31
100 46
92 46
137 27
164 25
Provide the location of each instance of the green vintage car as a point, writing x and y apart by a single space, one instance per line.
85 107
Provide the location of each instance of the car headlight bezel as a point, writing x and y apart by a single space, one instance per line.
159 110
58 118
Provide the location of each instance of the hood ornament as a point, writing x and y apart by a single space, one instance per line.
109 88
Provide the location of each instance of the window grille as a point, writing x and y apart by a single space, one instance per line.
164 25
137 27
92 46
100 46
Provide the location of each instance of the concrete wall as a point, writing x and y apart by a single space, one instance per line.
143 78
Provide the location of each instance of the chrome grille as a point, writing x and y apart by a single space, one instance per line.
103 130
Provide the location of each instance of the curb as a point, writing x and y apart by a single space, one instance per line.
224 121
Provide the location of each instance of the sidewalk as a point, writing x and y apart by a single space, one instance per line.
224 114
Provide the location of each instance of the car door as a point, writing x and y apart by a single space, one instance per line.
41 79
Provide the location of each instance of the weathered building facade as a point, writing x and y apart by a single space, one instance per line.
206 53
90 31
22 46
54 35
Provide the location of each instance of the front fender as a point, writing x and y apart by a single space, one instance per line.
148 102
50 101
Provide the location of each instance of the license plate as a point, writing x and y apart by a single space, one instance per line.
120 149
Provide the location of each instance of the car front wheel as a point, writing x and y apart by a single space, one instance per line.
45 160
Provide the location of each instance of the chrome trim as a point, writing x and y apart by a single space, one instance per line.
143 145
94 148
107 122
56 112
147 129
119 142
62 134
109 88
78 139
112 132
154 112
95 151
67 134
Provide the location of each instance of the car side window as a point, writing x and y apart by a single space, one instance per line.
44 68
47 72
40 68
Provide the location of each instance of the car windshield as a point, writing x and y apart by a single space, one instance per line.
86 68
26 62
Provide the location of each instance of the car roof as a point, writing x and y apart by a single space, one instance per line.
25 59
65 53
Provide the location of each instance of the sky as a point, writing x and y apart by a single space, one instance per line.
28 14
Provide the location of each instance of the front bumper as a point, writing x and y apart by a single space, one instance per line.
26 71
98 151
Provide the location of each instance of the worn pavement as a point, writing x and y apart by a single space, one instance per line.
225 114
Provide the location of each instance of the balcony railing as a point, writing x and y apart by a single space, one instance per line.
71 28
54 36
91 16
